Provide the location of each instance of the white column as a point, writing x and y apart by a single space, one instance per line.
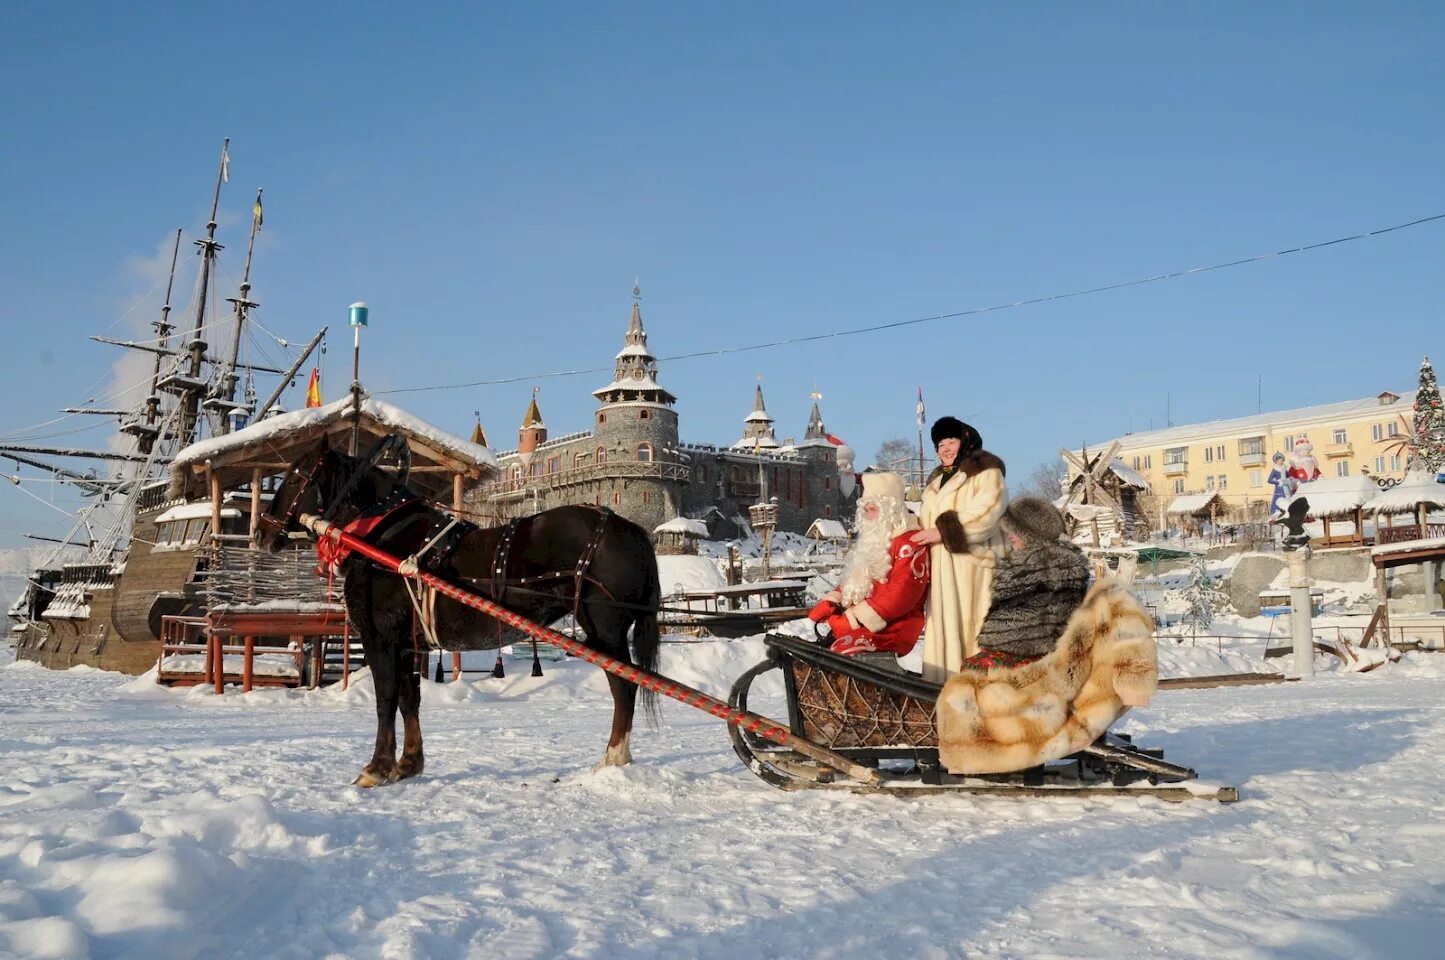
1301 611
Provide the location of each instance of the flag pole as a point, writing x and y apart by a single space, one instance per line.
358 318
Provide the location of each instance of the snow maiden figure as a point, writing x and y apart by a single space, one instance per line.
1276 479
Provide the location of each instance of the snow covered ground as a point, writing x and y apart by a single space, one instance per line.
142 822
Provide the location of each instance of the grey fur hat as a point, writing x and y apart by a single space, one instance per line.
1034 520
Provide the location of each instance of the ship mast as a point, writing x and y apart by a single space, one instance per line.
145 431
222 400
189 386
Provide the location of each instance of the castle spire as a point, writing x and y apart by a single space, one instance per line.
634 379
758 425
816 430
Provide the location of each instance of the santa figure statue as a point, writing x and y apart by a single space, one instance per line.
1302 465
878 606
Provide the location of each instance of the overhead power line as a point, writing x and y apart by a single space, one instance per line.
973 311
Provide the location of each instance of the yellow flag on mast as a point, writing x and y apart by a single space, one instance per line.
313 389
256 211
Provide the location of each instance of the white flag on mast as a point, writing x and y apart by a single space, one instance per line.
225 164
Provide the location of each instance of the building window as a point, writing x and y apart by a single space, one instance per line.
1136 463
1178 486
601 454
554 464
1377 431
1176 455
1148 458
601 417
1208 454
647 496
1256 478
1393 430
1223 481
827 482
1219 453
1209 482
1288 442
1395 463
536 468
617 499
1379 464
1342 469
517 472
644 414
578 459
1340 436
1251 447
827 511
644 453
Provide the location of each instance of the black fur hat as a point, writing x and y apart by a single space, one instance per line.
952 427
1033 520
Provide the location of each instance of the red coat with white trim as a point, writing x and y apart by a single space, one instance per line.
890 620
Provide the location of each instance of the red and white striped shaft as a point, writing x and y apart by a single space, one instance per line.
752 722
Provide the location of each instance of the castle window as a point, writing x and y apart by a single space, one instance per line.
554 464
827 483
536 468
578 459
601 454
517 472
601 417
647 496
644 414
617 499
827 511
644 453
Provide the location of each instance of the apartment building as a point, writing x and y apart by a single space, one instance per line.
1233 457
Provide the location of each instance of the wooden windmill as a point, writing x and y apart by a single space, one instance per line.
1090 485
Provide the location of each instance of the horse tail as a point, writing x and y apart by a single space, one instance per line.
647 638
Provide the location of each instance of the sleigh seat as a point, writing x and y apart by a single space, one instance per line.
1011 718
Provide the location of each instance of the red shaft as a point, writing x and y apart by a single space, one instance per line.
751 722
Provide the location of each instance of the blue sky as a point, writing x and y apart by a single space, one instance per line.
492 177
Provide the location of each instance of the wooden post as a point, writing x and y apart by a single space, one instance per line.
248 664
1382 590
1360 525
457 492
218 648
457 664
215 482
255 501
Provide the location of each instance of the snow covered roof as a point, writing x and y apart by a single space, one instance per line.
683 525
1265 422
631 384
1336 496
634 350
1405 496
760 443
826 528
758 416
1128 474
277 442
1192 503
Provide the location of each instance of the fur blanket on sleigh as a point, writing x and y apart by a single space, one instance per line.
1007 719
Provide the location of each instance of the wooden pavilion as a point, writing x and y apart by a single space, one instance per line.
252 598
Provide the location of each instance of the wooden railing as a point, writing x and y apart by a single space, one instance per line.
1411 531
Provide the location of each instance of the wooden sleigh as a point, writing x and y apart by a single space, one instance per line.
985 739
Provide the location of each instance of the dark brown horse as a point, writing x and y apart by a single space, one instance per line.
574 559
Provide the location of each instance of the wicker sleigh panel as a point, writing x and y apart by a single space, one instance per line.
842 711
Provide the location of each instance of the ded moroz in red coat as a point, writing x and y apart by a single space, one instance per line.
891 618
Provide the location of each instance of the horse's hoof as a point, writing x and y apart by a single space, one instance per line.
367 779
618 755
406 769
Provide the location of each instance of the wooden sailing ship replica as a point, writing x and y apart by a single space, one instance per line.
147 554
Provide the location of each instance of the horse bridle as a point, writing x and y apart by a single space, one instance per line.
363 467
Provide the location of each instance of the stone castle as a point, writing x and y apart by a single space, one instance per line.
633 461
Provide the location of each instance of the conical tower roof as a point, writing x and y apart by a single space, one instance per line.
533 417
634 379
479 436
757 427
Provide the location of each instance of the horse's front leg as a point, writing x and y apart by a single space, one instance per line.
412 761
383 659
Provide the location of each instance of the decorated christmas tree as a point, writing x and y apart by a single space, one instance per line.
1427 444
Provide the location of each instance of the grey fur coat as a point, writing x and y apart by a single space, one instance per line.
1035 591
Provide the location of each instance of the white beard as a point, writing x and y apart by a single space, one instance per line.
867 561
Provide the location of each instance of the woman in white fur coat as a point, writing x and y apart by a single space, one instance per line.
962 503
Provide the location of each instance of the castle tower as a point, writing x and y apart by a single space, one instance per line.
532 434
758 427
635 418
815 430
